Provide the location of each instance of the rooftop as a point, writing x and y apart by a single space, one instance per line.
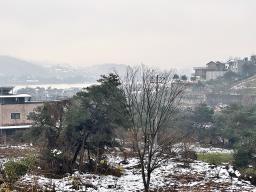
15 127
16 96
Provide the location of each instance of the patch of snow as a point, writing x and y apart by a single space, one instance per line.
199 149
22 147
56 152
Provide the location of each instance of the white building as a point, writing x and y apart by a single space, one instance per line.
214 74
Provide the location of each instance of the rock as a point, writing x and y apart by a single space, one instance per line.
124 162
111 186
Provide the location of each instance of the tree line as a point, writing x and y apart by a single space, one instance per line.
232 127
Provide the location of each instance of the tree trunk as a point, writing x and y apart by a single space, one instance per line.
76 153
145 183
146 188
148 178
82 151
88 151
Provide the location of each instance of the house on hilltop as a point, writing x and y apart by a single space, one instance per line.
243 67
213 70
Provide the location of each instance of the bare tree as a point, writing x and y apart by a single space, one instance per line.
152 99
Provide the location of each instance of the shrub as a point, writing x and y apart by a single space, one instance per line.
54 163
249 174
30 162
105 169
242 158
13 170
188 154
215 158
76 182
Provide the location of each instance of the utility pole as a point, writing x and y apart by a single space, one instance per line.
157 81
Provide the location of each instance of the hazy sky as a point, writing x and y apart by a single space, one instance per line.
166 33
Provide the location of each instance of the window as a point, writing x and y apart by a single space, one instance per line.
15 115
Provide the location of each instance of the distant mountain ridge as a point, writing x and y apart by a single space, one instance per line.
10 65
17 71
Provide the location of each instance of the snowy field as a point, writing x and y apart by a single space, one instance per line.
199 176
172 176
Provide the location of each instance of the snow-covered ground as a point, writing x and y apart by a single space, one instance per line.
199 149
199 176
171 176
21 147
8 152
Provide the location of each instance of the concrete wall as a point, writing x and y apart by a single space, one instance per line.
23 109
201 73
214 74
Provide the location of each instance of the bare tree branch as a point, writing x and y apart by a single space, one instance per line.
152 99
